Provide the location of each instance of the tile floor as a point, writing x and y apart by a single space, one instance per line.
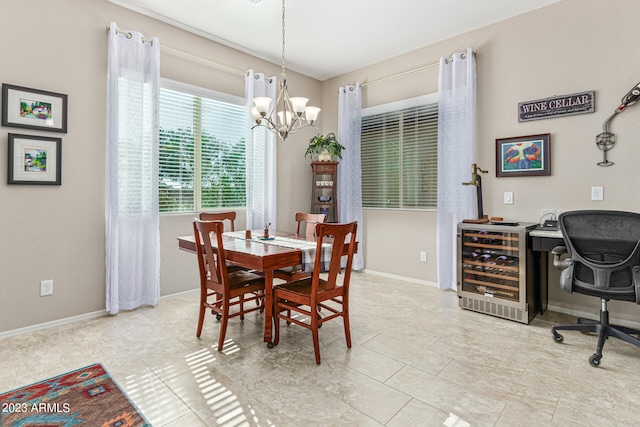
417 360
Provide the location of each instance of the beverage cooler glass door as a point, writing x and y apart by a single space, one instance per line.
491 264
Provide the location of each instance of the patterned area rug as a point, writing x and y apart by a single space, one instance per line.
86 397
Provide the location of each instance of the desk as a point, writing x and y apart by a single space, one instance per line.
542 242
260 256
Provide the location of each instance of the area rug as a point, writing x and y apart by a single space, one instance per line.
86 397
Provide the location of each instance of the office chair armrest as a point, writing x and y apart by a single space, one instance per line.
636 281
559 263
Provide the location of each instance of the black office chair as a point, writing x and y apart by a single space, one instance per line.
604 262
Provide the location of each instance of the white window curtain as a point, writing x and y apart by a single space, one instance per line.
261 157
132 219
456 153
350 167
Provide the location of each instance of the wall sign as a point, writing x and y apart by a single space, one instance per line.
563 105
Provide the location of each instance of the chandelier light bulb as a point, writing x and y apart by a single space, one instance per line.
262 104
255 114
311 113
288 115
298 104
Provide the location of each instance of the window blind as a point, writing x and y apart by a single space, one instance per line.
399 158
202 152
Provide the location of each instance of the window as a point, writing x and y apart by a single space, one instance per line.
399 151
202 149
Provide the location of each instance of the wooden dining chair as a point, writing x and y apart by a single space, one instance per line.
289 274
220 216
310 221
220 289
228 218
306 296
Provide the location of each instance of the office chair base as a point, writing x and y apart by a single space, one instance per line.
603 329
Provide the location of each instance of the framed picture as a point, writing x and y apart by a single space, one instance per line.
33 109
523 156
34 160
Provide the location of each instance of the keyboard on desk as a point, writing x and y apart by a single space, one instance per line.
551 232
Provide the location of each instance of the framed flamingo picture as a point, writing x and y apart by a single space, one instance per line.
523 156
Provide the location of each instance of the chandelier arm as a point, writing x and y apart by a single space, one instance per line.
292 131
265 122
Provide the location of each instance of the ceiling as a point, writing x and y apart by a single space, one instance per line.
327 38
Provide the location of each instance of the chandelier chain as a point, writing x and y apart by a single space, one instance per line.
283 66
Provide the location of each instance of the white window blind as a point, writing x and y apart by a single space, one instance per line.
202 150
399 153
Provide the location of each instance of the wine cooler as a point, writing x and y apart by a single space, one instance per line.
495 271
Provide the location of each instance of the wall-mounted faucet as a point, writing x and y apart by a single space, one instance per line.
475 177
476 180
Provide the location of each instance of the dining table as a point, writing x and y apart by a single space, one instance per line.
265 255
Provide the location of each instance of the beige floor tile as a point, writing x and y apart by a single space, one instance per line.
8 378
597 407
411 352
361 359
159 404
189 420
418 414
359 391
473 407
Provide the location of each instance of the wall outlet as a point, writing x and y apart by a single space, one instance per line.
46 288
597 193
423 256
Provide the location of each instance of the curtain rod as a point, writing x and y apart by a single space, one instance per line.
127 34
187 55
404 73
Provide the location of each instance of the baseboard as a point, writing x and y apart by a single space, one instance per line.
53 323
78 318
395 276
180 294
594 316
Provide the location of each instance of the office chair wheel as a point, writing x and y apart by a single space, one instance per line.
558 338
594 360
218 316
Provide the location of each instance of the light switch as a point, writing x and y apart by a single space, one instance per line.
597 193
508 197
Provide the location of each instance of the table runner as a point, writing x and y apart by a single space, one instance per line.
307 247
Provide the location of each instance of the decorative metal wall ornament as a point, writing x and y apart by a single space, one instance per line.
606 139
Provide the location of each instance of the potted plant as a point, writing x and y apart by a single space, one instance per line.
327 147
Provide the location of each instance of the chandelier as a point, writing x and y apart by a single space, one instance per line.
289 115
